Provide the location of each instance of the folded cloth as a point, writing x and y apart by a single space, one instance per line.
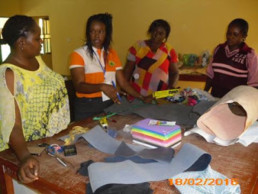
83 170
220 121
159 135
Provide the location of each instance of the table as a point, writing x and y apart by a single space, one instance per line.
235 161
193 77
192 80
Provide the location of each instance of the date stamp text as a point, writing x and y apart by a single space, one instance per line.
203 181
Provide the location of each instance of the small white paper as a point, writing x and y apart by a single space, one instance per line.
104 96
162 123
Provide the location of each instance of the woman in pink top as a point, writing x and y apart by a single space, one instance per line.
234 63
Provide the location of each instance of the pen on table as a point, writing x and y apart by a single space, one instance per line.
118 96
58 159
61 161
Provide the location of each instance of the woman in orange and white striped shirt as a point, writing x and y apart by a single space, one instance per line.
95 68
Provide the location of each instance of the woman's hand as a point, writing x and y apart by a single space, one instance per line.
28 170
111 92
148 99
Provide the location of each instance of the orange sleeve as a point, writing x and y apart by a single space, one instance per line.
75 60
114 57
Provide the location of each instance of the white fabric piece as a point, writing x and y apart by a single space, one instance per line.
248 137
206 181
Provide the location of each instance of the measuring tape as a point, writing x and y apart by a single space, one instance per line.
165 93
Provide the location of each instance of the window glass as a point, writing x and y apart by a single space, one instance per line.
44 25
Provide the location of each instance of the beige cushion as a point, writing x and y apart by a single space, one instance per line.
221 122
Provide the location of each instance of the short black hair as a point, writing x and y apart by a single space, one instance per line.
241 24
159 23
16 27
106 19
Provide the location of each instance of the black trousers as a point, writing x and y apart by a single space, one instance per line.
87 107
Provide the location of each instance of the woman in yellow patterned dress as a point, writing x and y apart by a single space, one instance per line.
33 98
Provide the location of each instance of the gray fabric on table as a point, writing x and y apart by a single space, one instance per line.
126 107
184 115
159 154
136 159
100 140
202 107
128 172
189 157
143 188
170 112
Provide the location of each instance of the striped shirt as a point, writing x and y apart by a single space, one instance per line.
229 69
95 70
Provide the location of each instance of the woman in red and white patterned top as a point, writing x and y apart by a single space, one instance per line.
152 64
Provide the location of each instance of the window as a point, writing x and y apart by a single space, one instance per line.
44 25
45 34
4 48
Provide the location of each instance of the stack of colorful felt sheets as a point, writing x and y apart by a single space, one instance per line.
159 135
